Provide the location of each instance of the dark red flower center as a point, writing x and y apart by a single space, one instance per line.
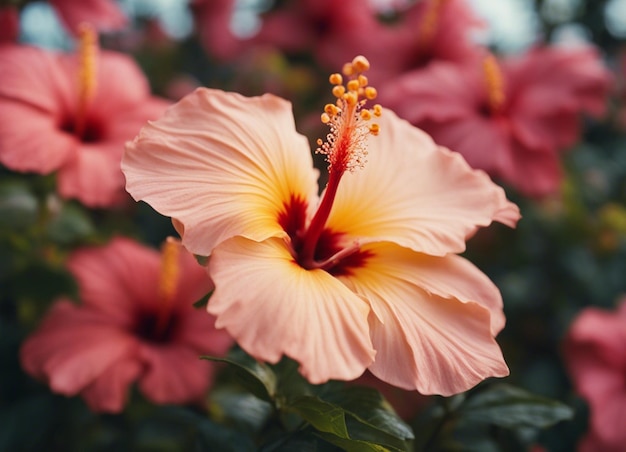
93 129
151 328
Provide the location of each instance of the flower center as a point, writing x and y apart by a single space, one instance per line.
87 60
168 282
494 83
345 150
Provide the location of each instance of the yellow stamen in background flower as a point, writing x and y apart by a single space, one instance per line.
168 281
87 70
430 22
345 144
494 82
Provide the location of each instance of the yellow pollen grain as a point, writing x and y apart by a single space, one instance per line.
353 85
339 90
360 64
371 93
366 115
347 69
325 118
378 110
374 129
335 79
363 81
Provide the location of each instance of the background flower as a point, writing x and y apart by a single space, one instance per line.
135 322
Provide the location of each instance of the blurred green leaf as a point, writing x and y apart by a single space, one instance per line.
18 205
202 302
510 407
70 225
242 409
256 377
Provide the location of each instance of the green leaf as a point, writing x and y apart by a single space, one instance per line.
370 407
324 416
256 377
18 206
232 405
352 445
510 407
70 225
202 302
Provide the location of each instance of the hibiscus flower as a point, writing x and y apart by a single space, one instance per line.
9 24
365 276
595 352
72 114
511 117
135 322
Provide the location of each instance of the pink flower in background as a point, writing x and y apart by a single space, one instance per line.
367 277
135 322
9 24
103 15
72 114
511 118
595 352
422 32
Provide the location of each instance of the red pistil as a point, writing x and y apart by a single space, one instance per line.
344 149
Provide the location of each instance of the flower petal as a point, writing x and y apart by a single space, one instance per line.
93 176
174 374
272 306
109 392
413 193
103 14
117 279
434 320
73 347
222 165
22 150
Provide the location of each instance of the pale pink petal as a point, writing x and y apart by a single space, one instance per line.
197 330
447 277
222 165
109 392
173 374
22 150
117 279
272 306
413 193
105 15
423 341
93 177
73 347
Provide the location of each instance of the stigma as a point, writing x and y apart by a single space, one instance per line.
168 280
349 120
494 84
87 54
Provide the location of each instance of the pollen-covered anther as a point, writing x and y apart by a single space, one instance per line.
348 119
360 64
371 93
335 79
378 110
494 82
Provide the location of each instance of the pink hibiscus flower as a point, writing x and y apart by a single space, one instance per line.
104 15
595 351
422 32
510 118
72 115
366 276
135 322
